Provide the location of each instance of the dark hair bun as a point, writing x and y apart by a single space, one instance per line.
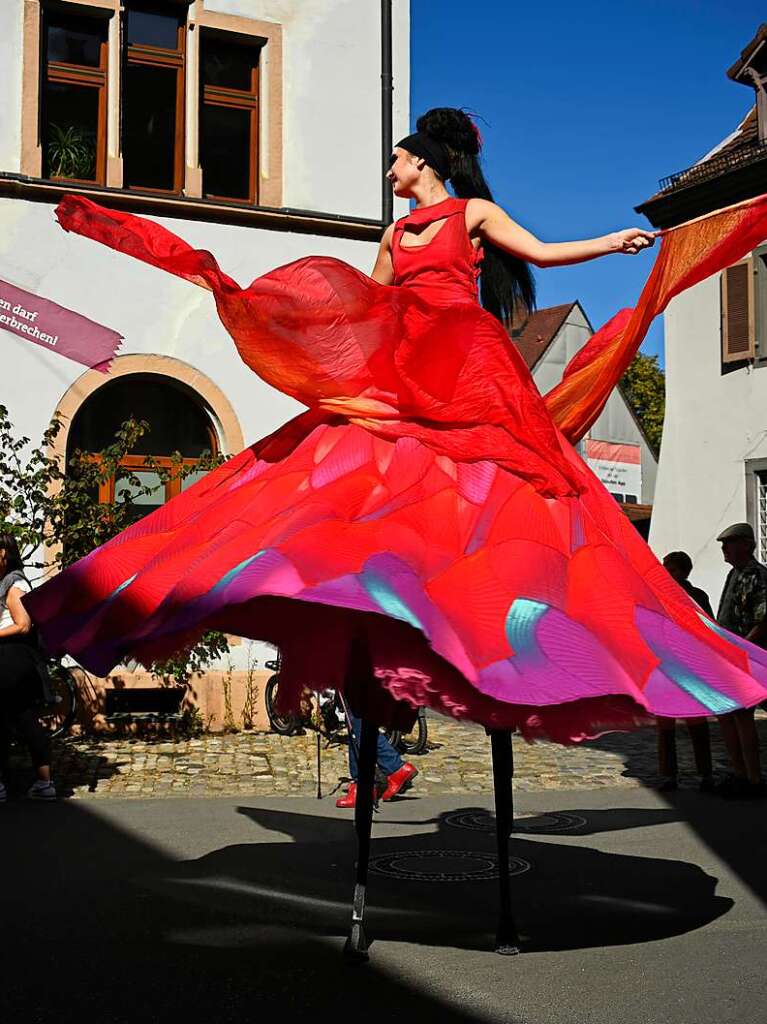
451 127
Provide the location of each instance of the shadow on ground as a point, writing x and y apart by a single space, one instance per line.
735 830
101 925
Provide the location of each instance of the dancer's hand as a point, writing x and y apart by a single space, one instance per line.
632 240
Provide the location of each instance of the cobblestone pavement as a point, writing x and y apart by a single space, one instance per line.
265 764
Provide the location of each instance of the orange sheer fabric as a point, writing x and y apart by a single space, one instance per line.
688 254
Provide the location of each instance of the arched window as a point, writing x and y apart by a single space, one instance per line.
178 423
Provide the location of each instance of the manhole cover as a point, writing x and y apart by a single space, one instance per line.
436 866
545 822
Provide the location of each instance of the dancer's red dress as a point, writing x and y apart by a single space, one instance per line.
425 501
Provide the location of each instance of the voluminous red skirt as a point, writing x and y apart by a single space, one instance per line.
425 510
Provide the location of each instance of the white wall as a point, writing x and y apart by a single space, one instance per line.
157 313
11 25
332 97
332 156
615 423
714 423
332 91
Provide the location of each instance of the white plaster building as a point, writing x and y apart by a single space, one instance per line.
713 460
615 447
221 120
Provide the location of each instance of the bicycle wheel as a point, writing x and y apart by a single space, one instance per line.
414 742
58 715
285 725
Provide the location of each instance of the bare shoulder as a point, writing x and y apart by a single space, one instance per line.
387 237
478 211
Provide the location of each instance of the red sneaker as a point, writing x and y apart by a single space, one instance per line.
399 781
349 799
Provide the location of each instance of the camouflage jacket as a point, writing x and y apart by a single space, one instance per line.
744 598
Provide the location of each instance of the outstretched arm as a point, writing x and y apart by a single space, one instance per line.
494 225
383 271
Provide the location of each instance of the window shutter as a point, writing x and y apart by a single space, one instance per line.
738 327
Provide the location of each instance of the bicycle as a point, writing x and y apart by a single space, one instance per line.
413 743
58 713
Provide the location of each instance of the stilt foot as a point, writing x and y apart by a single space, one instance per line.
504 949
356 948
506 939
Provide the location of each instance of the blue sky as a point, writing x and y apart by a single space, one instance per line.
585 107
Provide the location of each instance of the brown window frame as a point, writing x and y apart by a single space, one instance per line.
63 73
239 99
146 462
138 54
173 487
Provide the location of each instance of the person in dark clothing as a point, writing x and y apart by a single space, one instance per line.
743 610
20 682
678 564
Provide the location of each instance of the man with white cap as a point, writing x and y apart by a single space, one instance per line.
743 610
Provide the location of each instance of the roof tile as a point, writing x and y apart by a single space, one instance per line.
534 334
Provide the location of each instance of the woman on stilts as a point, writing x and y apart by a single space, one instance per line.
424 534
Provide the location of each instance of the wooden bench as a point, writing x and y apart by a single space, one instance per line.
144 704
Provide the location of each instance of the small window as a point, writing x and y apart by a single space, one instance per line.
229 118
153 98
177 424
74 97
738 313
761 515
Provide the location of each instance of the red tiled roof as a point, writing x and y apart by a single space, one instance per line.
636 513
533 335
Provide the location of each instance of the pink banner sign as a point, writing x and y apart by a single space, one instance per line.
55 328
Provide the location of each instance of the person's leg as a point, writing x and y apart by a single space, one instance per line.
398 774
749 744
388 758
5 746
731 739
38 742
667 762
700 737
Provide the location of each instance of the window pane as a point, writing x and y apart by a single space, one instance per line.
227 64
149 147
76 40
70 131
131 494
151 28
761 516
188 481
225 151
125 490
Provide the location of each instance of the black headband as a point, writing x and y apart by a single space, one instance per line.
430 149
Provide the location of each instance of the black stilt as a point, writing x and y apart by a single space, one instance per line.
507 940
356 947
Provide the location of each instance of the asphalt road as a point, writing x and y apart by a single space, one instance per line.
633 909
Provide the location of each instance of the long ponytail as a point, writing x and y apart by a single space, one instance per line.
507 287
